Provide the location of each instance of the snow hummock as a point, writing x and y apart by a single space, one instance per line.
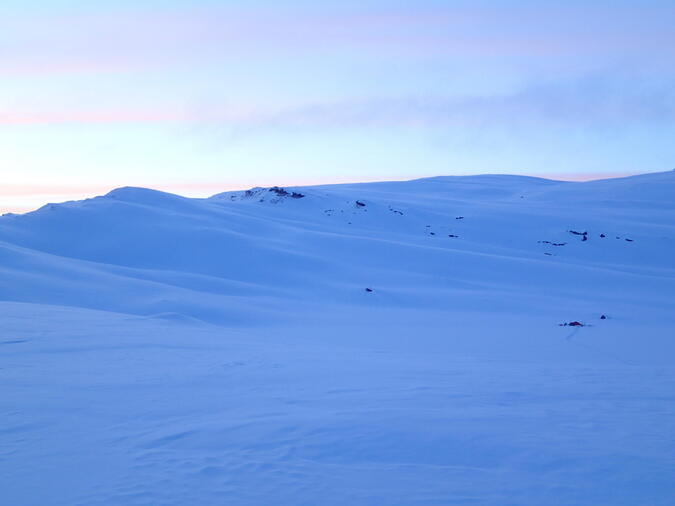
376 343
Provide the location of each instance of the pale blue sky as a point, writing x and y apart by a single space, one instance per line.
201 96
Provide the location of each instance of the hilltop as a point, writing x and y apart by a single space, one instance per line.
428 242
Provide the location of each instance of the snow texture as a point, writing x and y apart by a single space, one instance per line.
389 343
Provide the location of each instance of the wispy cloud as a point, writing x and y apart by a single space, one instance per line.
116 37
593 101
588 102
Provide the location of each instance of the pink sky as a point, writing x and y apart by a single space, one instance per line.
197 96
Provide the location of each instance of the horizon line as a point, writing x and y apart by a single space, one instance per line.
31 192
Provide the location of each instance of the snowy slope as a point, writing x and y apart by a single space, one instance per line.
144 252
167 350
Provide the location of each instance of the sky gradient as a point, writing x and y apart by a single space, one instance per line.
198 97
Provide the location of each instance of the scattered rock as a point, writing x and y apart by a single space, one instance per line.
432 233
629 240
603 317
279 191
296 195
459 218
548 254
602 236
575 324
369 289
578 233
452 235
360 204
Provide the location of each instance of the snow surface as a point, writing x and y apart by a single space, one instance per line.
158 349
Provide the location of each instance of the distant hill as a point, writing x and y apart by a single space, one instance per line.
459 240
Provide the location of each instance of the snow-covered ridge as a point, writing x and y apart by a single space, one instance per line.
429 241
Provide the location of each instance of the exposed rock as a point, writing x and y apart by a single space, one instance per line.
279 191
571 324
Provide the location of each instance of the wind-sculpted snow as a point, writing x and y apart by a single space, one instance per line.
145 251
376 343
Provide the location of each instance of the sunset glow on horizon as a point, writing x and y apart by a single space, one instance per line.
200 97
19 199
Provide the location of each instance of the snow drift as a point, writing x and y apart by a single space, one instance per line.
379 343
